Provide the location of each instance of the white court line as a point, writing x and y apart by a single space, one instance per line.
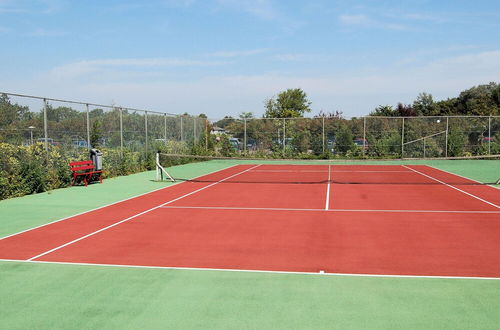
254 270
136 215
464 177
123 200
339 171
326 210
327 203
446 184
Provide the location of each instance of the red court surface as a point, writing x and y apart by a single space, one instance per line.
348 219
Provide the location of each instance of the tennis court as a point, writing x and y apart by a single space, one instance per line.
409 220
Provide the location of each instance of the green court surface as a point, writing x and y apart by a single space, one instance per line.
44 296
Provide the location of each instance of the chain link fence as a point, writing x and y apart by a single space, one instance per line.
76 126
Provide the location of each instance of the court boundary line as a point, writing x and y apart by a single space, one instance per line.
327 203
113 203
458 189
464 177
135 216
229 208
235 270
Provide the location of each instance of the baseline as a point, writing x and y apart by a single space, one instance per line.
252 270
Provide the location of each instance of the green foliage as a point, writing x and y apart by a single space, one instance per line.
225 147
384 111
344 141
456 142
96 134
288 104
30 169
482 100
424 105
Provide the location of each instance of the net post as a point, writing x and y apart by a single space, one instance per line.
424 146
403 138
160 170
121 132
323 131
245 135
88 126
446 137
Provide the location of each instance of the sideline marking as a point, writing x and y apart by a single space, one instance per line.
464 177
446 184
253 270
136 215
229 208
123 200
327 204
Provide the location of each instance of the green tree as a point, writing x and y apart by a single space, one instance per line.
246 115
344 141
95 134
424 105
384 111
288 104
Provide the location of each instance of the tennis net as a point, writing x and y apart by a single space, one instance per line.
466 170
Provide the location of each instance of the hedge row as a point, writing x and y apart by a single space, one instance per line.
27 170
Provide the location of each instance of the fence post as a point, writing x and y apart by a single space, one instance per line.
194 129
146 127
182 130
323 131
206 134
364 135
403 138
245 135
489 135
284 134
165 128
424 146
88 127
45 127
121 132
446 134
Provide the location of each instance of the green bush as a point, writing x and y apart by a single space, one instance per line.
30 169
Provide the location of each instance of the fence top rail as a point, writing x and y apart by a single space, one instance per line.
86 103
352 118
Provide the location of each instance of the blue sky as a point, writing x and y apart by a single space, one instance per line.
222 57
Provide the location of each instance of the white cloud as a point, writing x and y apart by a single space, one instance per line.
90 66
355 93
